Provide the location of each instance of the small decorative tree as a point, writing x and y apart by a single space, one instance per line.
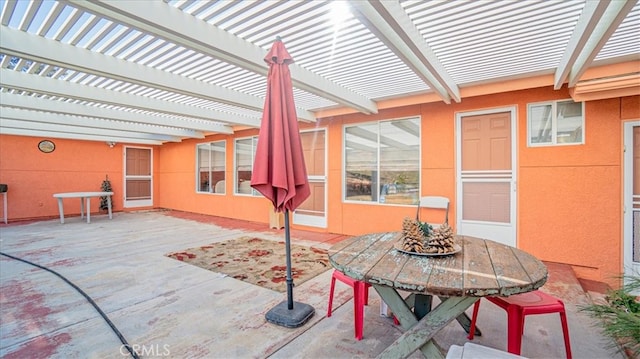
106 187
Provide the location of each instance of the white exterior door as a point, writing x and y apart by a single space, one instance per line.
138 177
313 211
486 198
632 198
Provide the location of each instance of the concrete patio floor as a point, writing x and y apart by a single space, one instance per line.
168 308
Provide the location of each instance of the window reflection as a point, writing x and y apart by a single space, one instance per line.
382 161
245 150
211 166
556 123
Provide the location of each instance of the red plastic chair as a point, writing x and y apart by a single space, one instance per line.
520 305
360 299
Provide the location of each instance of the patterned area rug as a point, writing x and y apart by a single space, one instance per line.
257 261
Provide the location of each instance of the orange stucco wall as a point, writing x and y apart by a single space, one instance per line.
178 184
568 197
33 176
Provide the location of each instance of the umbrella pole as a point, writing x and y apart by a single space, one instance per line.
287 243
289 313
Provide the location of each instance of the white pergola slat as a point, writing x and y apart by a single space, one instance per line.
44 85
51 127
22 44
111 118
126 71
73 135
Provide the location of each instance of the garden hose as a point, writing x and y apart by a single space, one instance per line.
104 316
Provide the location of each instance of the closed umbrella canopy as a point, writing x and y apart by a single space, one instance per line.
279 172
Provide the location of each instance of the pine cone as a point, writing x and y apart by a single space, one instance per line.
441 240
412 237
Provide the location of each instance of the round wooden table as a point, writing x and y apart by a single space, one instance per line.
481 268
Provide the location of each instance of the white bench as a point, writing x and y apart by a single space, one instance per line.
475 351
82 196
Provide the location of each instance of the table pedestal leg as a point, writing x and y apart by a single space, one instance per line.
88 209
4 200
419 334
109 206
463 319
61 210
422 305
81 207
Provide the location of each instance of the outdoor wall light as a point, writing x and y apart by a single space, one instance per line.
111 144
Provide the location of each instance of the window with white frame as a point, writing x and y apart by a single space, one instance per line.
382 161
210 159
556 122
245 151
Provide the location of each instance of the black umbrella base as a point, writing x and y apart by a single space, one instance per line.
290 318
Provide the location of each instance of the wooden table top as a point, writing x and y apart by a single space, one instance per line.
482 268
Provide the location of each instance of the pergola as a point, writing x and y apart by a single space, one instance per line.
150 72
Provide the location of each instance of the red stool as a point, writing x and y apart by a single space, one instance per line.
520 305
360 298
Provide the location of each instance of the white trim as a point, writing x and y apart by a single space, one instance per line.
630 268
480 228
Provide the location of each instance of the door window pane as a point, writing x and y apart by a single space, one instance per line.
138 162
138 189
486 201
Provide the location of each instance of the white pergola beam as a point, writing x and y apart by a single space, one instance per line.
161 124
166 22
49 86
38 116
81 130
24 45
598 21
393 26
73 136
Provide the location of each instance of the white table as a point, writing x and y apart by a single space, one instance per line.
83 196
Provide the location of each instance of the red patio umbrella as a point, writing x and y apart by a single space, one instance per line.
279 171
